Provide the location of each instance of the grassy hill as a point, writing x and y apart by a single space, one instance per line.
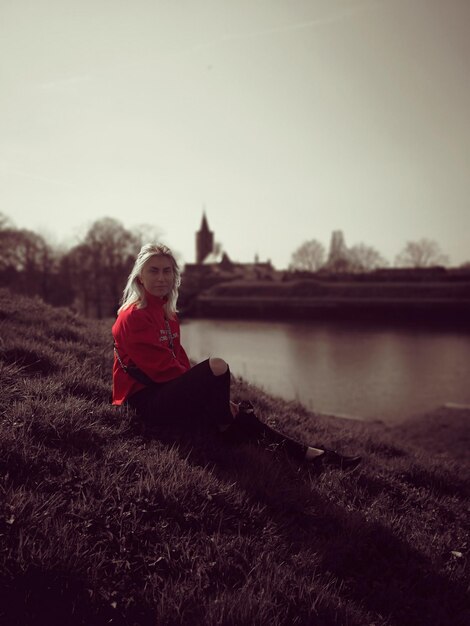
103 522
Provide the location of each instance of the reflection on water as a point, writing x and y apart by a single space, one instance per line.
374 373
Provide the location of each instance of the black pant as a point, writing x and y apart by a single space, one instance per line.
247 427
199 395
196 395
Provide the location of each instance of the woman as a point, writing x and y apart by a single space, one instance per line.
152 372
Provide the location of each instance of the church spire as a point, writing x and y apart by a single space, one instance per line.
204 240
204 225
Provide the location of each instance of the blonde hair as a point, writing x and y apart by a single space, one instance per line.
134 292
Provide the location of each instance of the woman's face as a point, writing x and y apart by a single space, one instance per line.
157 276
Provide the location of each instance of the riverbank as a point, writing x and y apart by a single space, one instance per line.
444 432
440 304
104 522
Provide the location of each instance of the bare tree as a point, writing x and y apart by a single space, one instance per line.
98 267
26 261
422 253
308 257
92 274
21 250
365 258
147 233
5 222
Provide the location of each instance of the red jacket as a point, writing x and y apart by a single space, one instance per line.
141 339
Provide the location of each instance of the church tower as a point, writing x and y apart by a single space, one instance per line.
338 257
204 240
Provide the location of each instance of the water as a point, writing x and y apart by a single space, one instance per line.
380 373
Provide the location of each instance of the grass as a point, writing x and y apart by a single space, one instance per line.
104 522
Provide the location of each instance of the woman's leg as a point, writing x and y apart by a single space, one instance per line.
200 394
247 427
219 404
218 366
203 393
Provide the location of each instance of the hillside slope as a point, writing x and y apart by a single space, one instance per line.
102 522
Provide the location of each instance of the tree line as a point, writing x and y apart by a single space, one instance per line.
90 276
311 256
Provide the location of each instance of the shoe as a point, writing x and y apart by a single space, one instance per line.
330 457
246 407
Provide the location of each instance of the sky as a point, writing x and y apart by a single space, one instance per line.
283 119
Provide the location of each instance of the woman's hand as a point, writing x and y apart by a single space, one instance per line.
234 408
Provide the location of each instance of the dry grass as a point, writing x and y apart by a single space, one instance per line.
102 522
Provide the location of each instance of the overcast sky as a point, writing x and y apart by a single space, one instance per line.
286 120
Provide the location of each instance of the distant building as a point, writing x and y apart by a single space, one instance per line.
204 240
213 262
339 259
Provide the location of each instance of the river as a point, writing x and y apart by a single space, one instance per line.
364 373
